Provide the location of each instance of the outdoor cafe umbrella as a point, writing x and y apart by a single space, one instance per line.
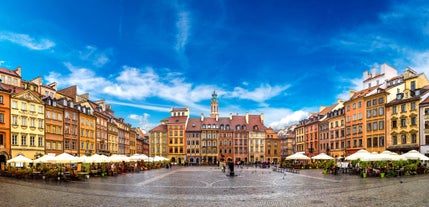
357 155
415 155
297 156
20 159
64 158
44 158
322 156
374 156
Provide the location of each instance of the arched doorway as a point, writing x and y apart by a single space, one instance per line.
173 159
180 161
3 158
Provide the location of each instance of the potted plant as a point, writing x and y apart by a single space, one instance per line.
364 165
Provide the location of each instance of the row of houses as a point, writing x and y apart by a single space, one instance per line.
391 112
208 140
37 119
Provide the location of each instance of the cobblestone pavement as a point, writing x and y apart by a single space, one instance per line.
208 186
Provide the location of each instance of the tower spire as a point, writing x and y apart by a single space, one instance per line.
214 105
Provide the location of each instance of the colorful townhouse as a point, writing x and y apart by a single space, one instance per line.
403 112
273 146
176 126
27 123
4 126
336 130
54 123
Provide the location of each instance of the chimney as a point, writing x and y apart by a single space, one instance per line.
247 117
352 93
262 118
217 117
202 117
230 116
374 71
18 71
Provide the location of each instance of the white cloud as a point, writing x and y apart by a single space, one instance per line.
142 121
27 41
261 94
280 118
183 25
95 56
355 84
86 79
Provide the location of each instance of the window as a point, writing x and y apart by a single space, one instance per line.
14 139
368 142
32 122
375 126
393 109
403 108
374 112
1 118
41 123
368 127
354 105
413 85
368 103
32 108
40 109
23 106
32 141
381 111
48 145
14 104
381 141
375 142
1 99
413 105
426 111
403 139
413 121
381 125
413 138
394 124
40 142
23 140
359 104
374 102
368 113
380 100
403 122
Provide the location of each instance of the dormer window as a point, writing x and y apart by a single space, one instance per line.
237 127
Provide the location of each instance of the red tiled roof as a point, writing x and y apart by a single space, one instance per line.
177 119
159 128
194 124
14 89
328 109
209 120
362 92
9 72
238 120
255 120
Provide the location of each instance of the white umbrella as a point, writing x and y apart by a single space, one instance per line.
20 159
395 156
415 155
96 158
44 159
64 158
357 155
297 156
118 158
374 156
322 156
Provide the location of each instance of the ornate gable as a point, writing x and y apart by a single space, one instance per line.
28 95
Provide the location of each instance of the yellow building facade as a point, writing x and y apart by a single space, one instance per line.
404 113
87 132
27 124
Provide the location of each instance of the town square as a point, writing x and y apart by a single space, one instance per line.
208 186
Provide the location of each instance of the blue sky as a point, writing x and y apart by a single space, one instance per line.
278 57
